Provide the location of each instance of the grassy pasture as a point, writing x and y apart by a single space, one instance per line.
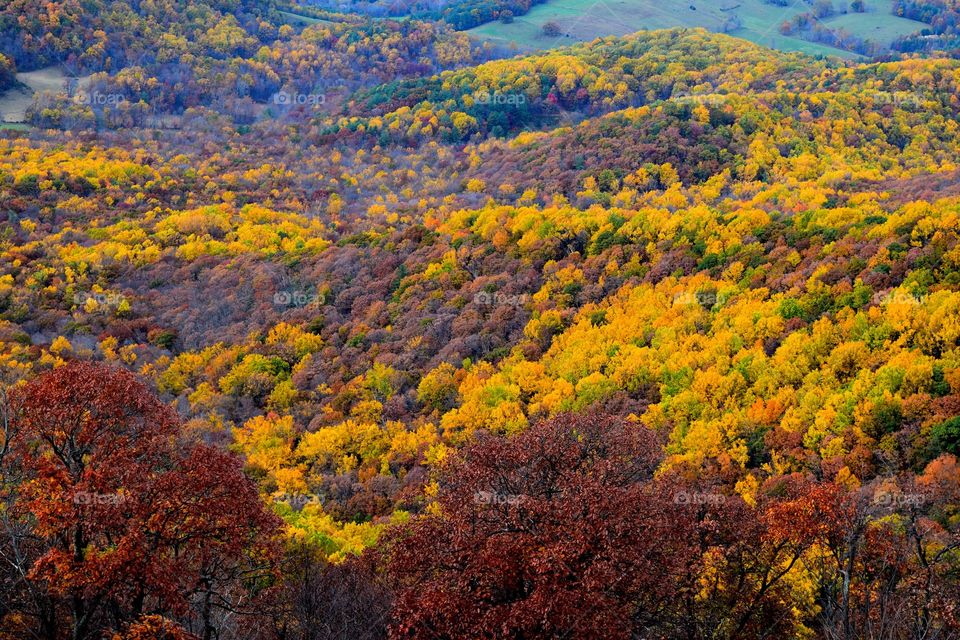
584 20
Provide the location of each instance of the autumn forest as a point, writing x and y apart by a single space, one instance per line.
337 322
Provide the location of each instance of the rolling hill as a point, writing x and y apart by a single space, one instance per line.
651 335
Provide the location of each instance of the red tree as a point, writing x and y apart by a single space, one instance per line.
118 520
563 531
547 534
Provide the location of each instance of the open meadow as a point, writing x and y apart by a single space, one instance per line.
585 20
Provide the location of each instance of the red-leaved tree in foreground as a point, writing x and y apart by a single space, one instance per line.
565 531
562 531
111 524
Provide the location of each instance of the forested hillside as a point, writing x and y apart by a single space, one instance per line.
652 337
143 63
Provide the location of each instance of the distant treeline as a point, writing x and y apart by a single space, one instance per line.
943 34
463 14
169 56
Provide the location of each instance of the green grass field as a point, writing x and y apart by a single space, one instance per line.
875 24
296 18
584 20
